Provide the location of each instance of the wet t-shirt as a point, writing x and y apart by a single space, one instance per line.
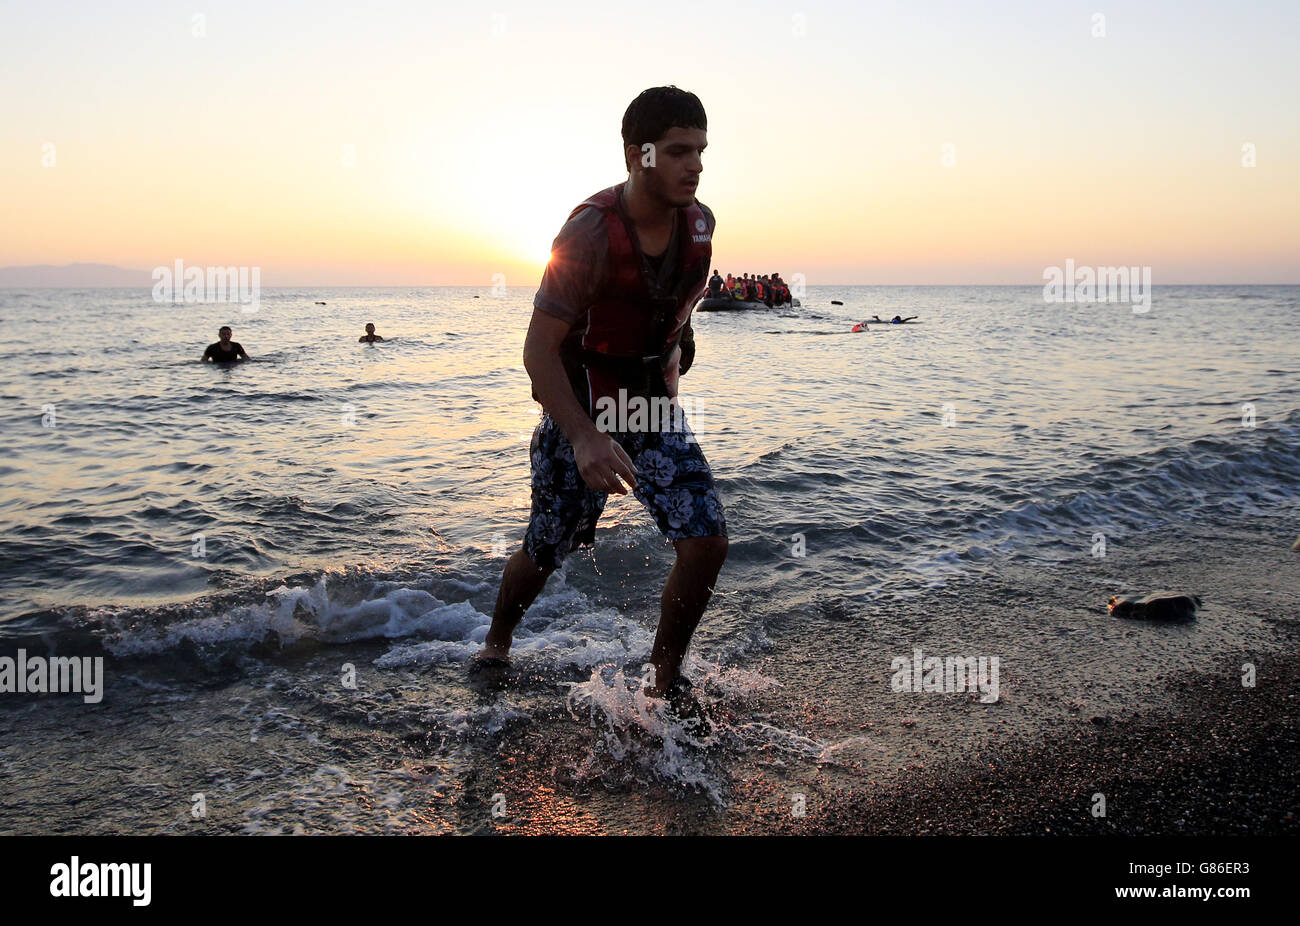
215 352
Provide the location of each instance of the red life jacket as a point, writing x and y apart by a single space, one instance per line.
630 336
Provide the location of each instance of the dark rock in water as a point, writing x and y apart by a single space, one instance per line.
1159 606
836 302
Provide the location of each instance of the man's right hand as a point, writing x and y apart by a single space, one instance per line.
601 461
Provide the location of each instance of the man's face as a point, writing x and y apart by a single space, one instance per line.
224 334
677 168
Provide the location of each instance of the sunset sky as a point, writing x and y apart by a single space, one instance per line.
476 130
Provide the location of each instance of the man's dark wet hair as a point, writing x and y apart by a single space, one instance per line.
655 111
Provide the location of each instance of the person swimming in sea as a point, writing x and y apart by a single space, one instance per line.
225 350
369 337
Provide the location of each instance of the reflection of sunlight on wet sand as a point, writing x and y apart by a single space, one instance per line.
545 810
336 800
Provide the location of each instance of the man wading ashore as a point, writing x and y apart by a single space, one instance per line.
611 324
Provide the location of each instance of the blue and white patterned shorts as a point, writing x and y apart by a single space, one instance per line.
673 481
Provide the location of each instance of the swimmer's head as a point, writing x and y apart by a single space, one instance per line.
370 327
224 333
669 125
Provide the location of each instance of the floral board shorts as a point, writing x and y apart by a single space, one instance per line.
673 482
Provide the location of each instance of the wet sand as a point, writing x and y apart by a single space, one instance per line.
1175 751
1198 753
1225 761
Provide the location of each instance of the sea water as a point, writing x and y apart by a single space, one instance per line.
241 541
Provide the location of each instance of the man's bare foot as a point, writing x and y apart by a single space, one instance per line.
678 689
657 690
490 657
682 703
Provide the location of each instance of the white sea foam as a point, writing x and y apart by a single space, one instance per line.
295 613
641 736
563 629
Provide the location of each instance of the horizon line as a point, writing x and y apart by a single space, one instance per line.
530 286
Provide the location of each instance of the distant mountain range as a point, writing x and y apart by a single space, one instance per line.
73 276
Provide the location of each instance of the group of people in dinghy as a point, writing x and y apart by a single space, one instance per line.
768 289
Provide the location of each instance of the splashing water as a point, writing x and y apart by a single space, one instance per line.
641 739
